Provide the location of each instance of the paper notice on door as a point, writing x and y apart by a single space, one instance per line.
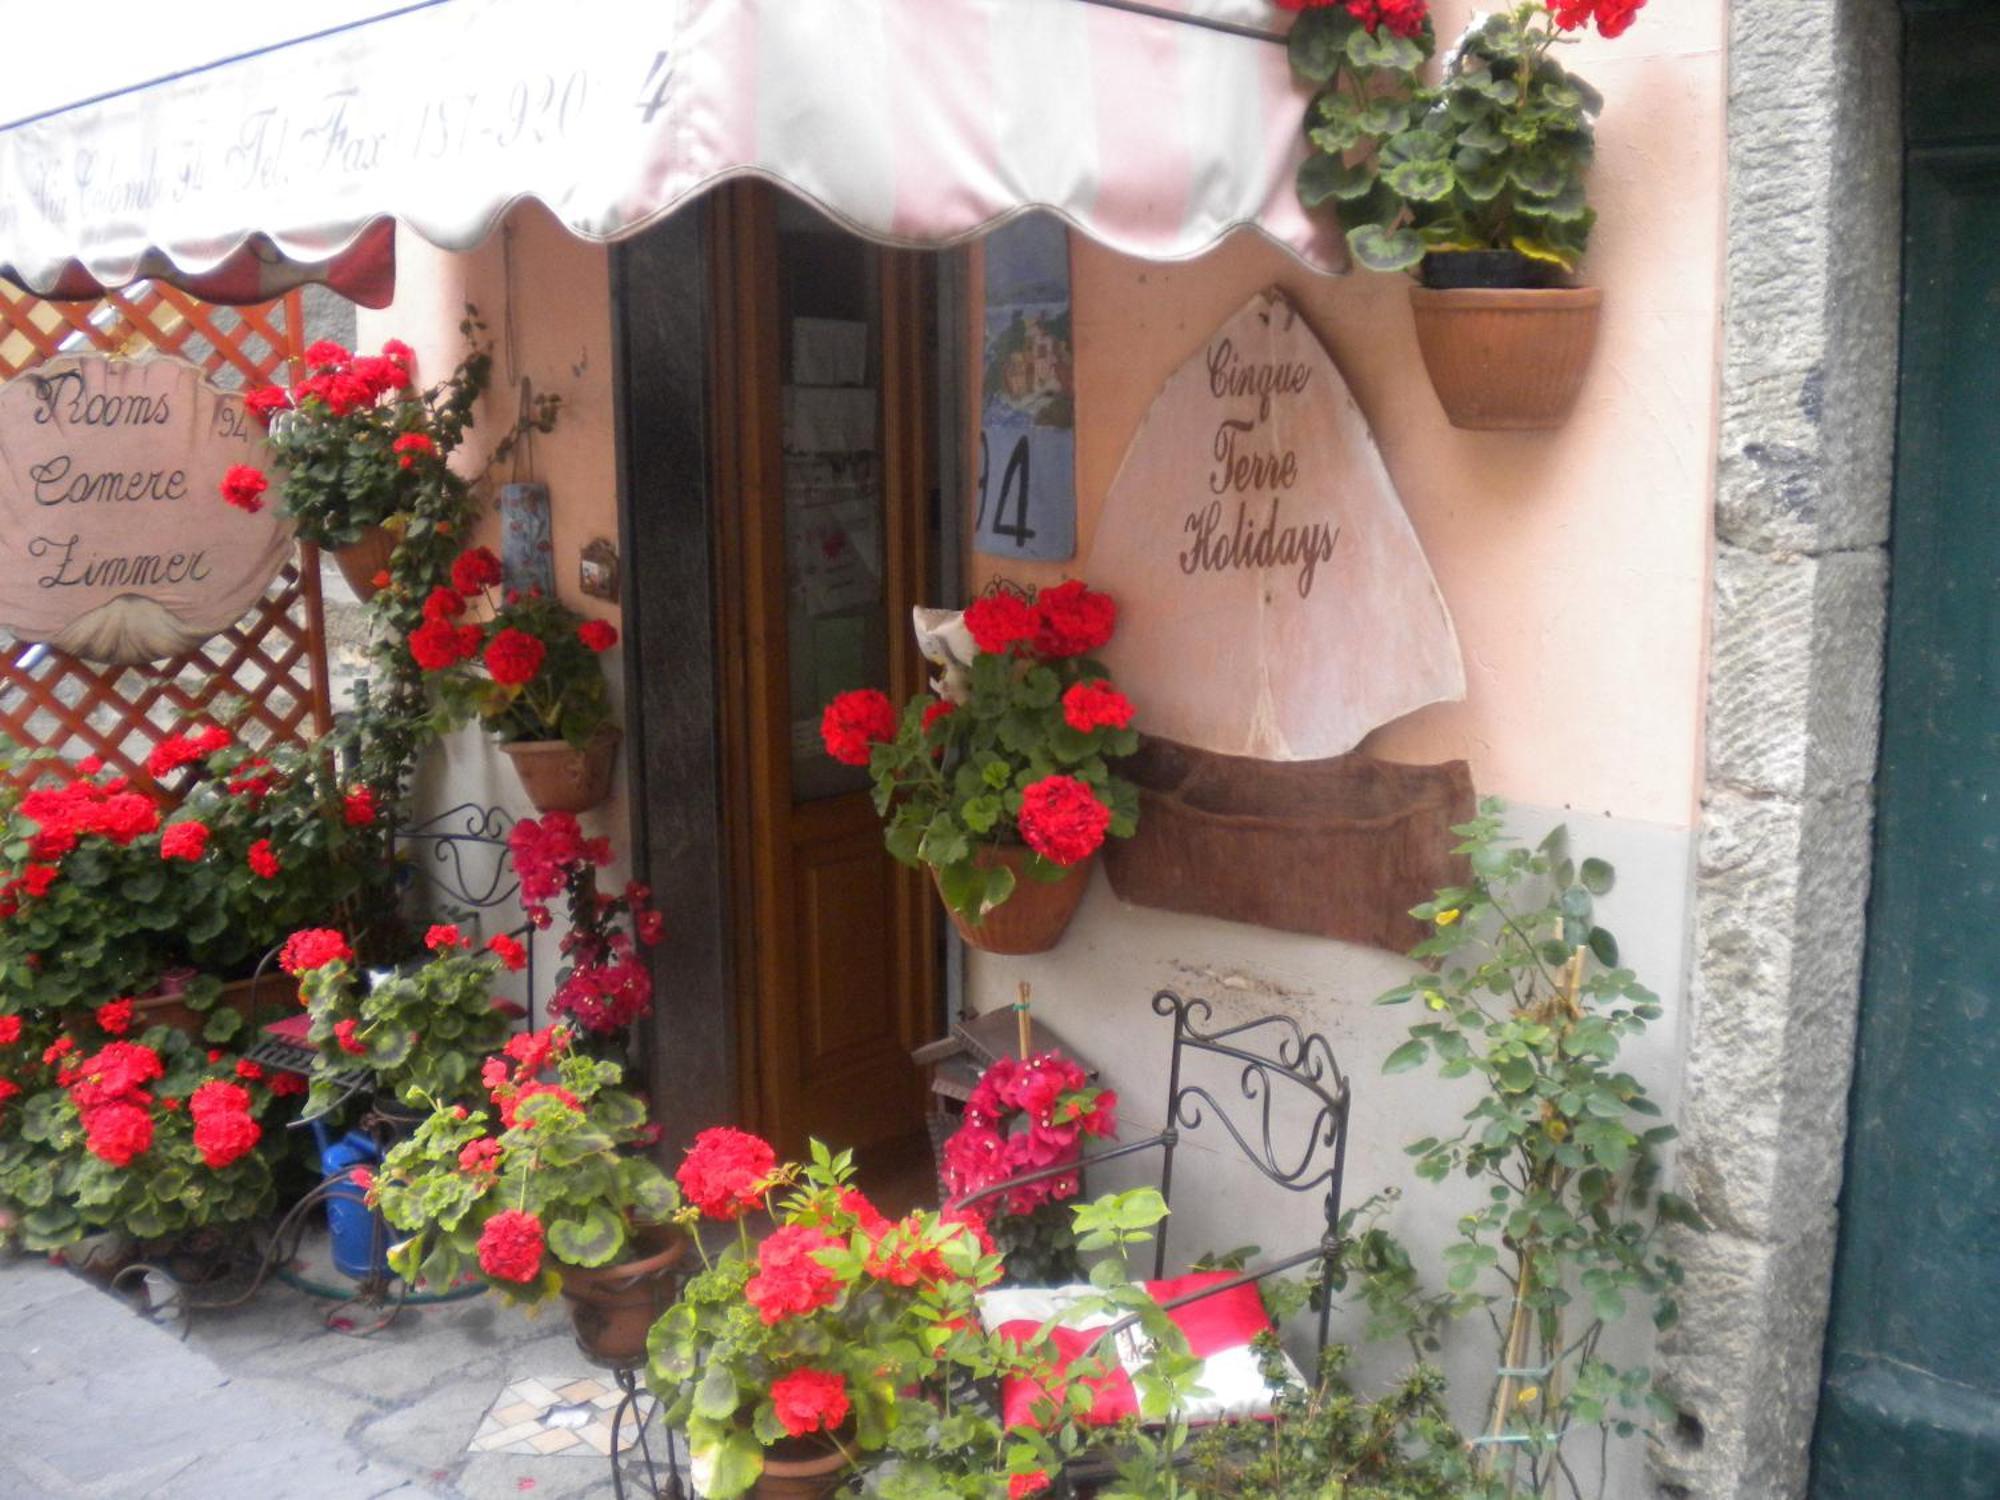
830 419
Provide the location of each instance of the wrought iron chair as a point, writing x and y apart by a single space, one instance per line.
1275 1058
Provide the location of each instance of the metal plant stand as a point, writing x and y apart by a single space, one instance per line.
652 1476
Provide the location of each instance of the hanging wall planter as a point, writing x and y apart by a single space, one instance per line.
1032 919
364 559
1506 351
558 777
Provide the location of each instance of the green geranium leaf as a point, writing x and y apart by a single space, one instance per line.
221 1025
1384 49
1323 177
1420 181
1317 44
1382 249
590 1241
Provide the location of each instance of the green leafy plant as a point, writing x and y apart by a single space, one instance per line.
532 668
1528 997
1013 750
840 1331
151 1137
422 1031
550 1172
1327 1441
1491 158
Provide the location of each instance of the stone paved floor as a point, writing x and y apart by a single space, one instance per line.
263 1402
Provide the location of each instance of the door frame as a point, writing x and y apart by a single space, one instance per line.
749 582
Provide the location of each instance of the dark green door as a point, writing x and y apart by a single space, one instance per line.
1911 1399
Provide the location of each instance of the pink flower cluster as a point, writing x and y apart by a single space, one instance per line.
1022 1117
605 983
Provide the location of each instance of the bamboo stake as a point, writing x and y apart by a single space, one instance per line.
1022 1022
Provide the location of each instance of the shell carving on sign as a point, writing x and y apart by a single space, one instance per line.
1273 598
115 545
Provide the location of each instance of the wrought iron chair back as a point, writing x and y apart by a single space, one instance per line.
1275 1059
460 857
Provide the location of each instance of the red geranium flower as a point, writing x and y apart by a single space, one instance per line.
325 354
1062 820
114 1017
345 1039
314 948
1072 620
443 937
118 1132
725 1172
410 447
598 635
218 1096
243 487
475 570
284 1085
380 578
937 713
809 1401
789 1282
223 1137
184 841
1613 17
400 352
510 953
264 863
36 879
1095 705
1031 1481
10 1030
514 657
510 1246
249 1070
482 1155
444 604
854 721
378 374
267 403
1000 621
437 644
357 807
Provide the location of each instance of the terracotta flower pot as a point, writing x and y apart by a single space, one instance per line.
169 1007
799 1470
560 778
1034 918
1509 359
611 1307
359 561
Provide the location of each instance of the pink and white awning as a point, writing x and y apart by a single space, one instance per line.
1153 126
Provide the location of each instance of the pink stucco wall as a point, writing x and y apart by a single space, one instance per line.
1574 562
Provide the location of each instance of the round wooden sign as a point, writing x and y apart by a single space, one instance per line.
115 543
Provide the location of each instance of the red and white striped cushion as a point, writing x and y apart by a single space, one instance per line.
1219 1330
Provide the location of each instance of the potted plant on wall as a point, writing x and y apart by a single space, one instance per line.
546 1193
531 671
999 783
1476 183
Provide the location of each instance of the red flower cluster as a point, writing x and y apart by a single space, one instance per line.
809 1401
10 1030
855 721
444 605
1613 17
178 750
789 1282
1052 1101
108 1089
410 447
357 807
314 948
475 570
243 487
437 644
1062 820
118 1132
345 1038
1095 705
1028 1481
725 1172
224 1131
1072 620
603 996
511 954
480 1157
1000 621
548 851
511 1088
513 657
114 1017
597 635
66 814
186 841
444 937
263 861
510 1246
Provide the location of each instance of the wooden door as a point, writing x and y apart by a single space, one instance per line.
1910 1404
823 547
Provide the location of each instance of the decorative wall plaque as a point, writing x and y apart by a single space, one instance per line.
1273 599
115 544
1274 607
